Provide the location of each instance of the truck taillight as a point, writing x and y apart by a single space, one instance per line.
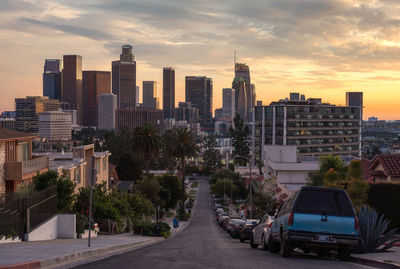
290 220
356 223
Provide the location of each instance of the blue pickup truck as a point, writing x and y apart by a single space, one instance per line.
315 219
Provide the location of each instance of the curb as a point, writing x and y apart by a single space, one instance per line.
374 263
24 265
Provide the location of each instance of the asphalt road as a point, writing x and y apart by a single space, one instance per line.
203 244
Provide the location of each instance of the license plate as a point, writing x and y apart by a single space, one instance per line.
322 237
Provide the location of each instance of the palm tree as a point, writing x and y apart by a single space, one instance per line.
182 145
147 142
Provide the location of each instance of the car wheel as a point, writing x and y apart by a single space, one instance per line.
273 247
344 254
285 249
252 245
263 243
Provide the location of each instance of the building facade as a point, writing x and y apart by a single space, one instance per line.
242 73
107 107
168 92
149 95
72 83
316 128
124 79
228 103
198 91
239 85
52 79
55 125
28 109
132 118
17 165
186 112
95 83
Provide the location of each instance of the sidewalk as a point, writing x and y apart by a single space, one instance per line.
46 254
389 259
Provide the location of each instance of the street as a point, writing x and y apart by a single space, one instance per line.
203 244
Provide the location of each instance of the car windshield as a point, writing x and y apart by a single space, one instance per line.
252 221
325 202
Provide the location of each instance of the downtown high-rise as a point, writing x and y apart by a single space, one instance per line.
52 78
168 92
149 95
124 79
198 91
95 83
72 83
244 101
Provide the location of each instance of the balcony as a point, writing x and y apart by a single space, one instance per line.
26 169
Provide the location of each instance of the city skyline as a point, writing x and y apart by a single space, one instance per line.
348 46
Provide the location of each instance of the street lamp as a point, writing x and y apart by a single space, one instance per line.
251 187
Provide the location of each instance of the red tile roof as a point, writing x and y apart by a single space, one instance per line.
7 134
389 162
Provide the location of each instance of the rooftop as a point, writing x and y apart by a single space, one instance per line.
389 162
7 134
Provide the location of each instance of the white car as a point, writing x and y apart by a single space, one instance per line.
261 232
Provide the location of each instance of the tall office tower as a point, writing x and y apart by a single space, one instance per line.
228 102
209 100
243 71
132 118
94 84
168 92
197 92
72 83
253 95
107 106
52 76
28 109
149 95
124 79
186 112
137 95
239 85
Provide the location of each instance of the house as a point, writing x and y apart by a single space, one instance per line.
17 165
385 168
77 165
283 164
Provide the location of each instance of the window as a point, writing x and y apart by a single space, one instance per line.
97 167
77 175
327 202
104 163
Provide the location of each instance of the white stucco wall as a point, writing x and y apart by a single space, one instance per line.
60 226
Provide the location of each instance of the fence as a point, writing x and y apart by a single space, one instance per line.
21 214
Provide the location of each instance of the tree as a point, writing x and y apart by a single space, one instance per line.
224 186
146 142
327 163
240 140
172 189
65 189
212 157
119 144
150 188
129 167
182 145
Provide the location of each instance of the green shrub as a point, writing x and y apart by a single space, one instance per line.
384 197
147 228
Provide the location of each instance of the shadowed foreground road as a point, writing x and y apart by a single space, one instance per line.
203 244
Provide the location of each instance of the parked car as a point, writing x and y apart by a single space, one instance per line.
222 218
231 224
235 231
247 229
219 210
315 219
260 234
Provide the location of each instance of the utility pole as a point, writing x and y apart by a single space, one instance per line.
231 191
251 195
92 180
224 191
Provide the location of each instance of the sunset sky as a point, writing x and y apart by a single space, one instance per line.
321 48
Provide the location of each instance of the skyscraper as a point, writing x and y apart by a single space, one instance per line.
94 84
198 90
168 92
149 95
72 83
239 85
228 102
242 71
52 84
28 109
124 79
355 99
107 106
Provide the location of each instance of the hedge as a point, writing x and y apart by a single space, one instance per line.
385 198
